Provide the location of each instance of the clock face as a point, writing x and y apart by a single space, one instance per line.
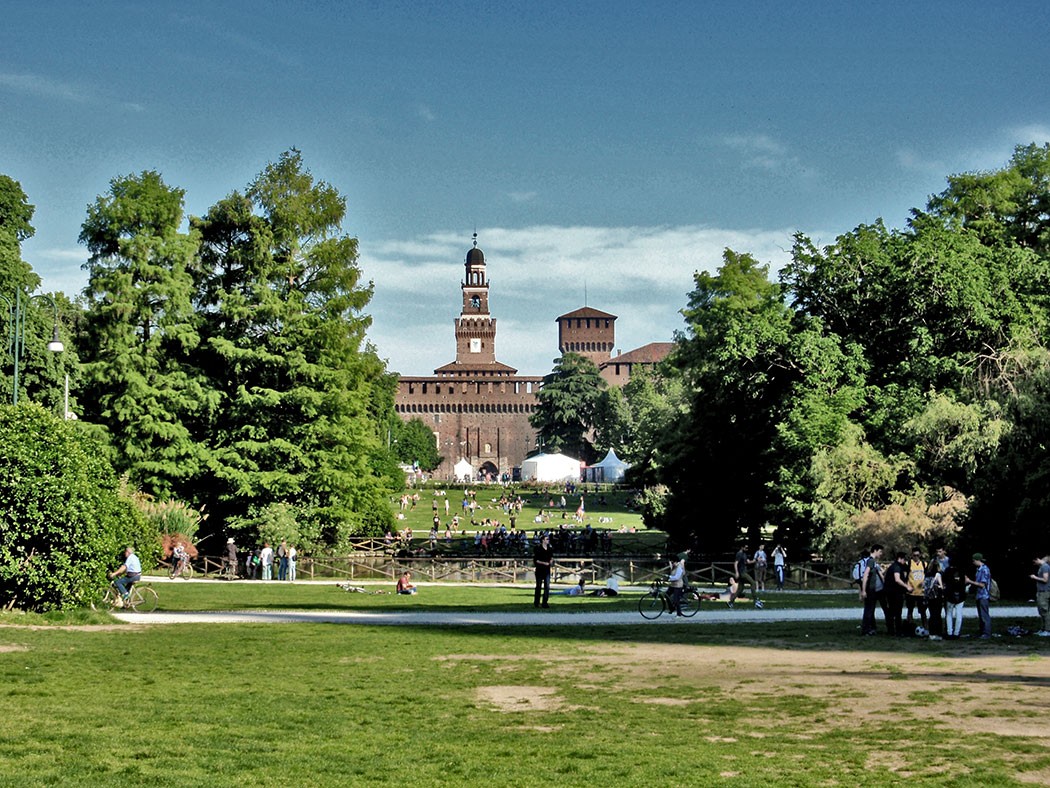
475 346
475 301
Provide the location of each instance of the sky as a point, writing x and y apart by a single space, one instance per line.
602 151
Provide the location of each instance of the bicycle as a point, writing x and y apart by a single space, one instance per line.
657 601
141 599
183 569
228 570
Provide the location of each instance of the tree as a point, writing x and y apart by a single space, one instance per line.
415 445
295 389
568 406
64 518
717 460
16 216
139 329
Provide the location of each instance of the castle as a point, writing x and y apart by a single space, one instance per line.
478 407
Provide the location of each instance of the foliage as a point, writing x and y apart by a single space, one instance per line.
297 402
568 406
170 517
276 523
139 328
64 517
414 444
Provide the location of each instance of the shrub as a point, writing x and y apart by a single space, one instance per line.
63 518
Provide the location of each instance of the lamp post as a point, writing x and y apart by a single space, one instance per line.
16 330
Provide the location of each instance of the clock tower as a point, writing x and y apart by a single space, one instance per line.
475 328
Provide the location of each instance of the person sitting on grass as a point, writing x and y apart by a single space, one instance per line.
404 583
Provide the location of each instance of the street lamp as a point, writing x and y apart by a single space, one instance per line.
16 330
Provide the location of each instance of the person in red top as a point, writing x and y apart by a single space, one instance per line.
404 583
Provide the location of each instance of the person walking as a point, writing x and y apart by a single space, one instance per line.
676 582
982 581
1042 594
543 557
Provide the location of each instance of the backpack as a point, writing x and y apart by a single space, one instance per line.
931 590
993 591
858 570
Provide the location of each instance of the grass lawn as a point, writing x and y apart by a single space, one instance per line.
612 504
318 704
325 595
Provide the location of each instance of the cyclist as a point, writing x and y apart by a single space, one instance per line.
126 575
178 559
676 583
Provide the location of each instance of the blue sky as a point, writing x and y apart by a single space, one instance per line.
604 151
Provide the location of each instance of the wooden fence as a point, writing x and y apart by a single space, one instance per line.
383 564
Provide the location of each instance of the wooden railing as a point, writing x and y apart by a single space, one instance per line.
384 564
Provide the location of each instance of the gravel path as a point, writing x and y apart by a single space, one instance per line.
715 614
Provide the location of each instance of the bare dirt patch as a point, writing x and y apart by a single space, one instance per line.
4 649
998 694
521 698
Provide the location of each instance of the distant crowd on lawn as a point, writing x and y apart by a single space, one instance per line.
492 536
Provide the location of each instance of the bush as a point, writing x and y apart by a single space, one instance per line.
63 518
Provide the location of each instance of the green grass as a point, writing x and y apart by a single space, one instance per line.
359 705
615 506
220 595
317 704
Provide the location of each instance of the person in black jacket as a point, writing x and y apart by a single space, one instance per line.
543 556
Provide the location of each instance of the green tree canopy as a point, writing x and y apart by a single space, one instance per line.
568 406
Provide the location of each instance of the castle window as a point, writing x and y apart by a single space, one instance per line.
488 448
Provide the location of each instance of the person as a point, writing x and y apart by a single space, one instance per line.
1042 594
230 559
266 560
179 557
741 574
916 596
576 590
404 583
954 598
282 560
982 581
942 560
933 592
780 559
252 564
871 586
293 555
126 575
542 557
761 561
676 584
896 587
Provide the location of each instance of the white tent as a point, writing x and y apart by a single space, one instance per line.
611 469
550 468
463 471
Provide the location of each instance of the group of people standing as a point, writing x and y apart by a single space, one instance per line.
264 559
935 589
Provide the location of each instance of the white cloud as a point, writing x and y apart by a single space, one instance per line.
426 113
760 151
641 274
520 197
43 87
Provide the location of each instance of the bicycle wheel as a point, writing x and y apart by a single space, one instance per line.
187 571
690 602
143 599
651 605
